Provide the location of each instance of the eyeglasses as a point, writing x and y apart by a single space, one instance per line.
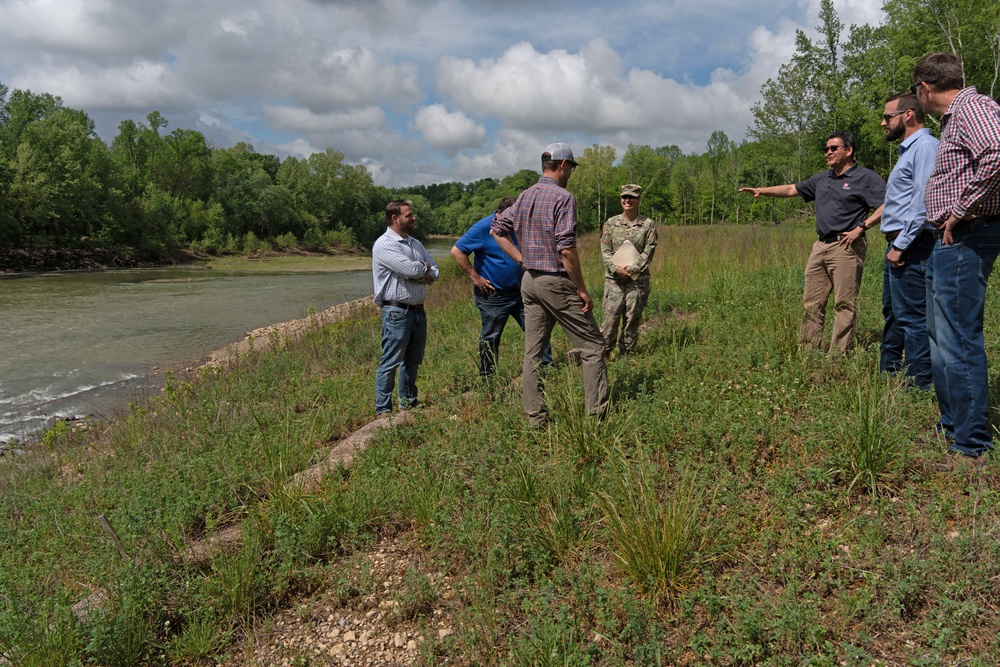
915 87
629 197
832 149
889 116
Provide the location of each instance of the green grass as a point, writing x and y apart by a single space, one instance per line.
746 503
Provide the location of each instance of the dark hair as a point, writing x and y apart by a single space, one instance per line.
907 101
506 203
550 165
847 138
394 208
942 71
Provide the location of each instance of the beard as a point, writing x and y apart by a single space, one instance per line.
894 131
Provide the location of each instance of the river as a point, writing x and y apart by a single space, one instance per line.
81 344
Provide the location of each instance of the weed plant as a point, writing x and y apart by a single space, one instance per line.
871 454
703 522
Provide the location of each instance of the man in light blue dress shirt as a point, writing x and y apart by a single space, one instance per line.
401 268
910 240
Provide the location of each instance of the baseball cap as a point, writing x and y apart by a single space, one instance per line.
558 152
632 190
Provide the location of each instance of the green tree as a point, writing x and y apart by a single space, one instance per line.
592 185
651 169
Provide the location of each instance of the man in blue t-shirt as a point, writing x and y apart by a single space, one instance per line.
497 280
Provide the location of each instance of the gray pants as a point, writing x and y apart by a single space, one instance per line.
549 299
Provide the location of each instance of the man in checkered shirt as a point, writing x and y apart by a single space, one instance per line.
553 289
963 202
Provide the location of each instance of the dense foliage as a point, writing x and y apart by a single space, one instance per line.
150 189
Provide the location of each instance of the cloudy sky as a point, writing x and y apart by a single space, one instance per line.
419 91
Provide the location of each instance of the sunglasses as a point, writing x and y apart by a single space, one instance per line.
832 149
916 86
889 116
629 197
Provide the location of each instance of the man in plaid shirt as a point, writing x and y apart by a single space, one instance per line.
553 289
963 202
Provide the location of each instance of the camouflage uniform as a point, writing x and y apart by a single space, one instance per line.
625 299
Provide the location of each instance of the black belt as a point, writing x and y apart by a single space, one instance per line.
983 219
891 236
418 308
831 238
537 272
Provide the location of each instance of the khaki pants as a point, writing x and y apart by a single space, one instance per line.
832 268
549 299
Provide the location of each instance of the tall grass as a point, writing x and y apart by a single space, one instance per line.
662 535
871 453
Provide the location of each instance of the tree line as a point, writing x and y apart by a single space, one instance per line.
155 190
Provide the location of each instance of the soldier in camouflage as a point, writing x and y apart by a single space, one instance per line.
626 286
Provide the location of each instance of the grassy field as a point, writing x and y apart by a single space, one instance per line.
747 503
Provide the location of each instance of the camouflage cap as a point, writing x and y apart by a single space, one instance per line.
631 190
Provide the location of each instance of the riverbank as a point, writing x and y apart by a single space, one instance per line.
73 341
15 261
44 260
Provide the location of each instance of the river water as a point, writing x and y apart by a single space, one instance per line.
78 344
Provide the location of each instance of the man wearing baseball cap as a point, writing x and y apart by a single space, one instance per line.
544 221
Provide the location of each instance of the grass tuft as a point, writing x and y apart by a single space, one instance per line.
661 537
871 454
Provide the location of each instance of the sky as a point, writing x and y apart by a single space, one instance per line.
418 91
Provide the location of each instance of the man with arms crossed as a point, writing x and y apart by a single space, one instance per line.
553 289
402 268
497 280
626 287
910 243
844 194
963 202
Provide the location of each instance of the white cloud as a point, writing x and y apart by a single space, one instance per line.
298 148
418 89
303 120
138 85
448 131
588 93
240 24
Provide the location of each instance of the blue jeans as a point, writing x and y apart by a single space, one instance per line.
956 299
904 307
494 309
404 336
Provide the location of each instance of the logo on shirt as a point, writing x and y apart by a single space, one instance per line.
847 186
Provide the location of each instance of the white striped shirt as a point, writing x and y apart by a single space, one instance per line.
398 268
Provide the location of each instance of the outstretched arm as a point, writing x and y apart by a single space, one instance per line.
773 191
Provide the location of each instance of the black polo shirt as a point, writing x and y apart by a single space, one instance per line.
842 202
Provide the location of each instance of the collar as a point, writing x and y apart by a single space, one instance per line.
907 142
963 96
402 239
847 172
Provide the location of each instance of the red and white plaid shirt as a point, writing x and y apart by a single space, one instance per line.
966 176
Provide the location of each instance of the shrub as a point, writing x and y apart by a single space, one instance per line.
286 241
